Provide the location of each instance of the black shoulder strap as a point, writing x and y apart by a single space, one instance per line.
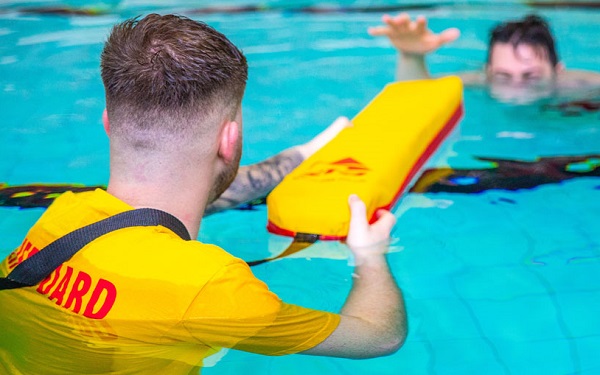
37 267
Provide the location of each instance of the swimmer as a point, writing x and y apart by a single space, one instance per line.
522 61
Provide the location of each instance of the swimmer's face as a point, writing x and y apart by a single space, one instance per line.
520 74
521 66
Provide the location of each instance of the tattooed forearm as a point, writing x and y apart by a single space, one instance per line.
256 180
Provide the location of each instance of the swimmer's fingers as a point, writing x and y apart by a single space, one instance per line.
399 24
378 31
449 35
420 25
412 37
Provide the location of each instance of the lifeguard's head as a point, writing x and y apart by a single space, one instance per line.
172 85
522 53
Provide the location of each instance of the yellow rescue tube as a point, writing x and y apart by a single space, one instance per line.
376 158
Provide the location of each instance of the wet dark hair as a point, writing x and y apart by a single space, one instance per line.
531 30
170 66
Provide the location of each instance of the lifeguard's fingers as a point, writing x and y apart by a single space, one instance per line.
340 123
385 221
358 214
333 130
324 137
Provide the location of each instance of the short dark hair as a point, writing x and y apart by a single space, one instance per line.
532 30
170 65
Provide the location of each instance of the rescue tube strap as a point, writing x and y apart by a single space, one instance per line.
37 267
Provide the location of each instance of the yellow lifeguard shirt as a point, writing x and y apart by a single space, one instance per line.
140 300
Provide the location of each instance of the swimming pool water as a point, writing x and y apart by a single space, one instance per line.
498 282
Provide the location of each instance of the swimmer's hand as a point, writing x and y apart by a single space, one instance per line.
413 37
368 242
324 137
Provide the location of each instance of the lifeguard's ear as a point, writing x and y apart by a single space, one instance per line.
228 142
105 122
559 68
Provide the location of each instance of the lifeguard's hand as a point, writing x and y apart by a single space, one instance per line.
364 240
413 37
324 137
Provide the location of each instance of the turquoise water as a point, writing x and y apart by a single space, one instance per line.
499 282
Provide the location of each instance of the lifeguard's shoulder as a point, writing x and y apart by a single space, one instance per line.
158 247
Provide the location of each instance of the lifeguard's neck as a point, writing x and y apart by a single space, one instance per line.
181 192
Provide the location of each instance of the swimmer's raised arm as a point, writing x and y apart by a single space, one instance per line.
257 180
373 319
413 40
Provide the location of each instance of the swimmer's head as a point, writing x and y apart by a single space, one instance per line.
522 54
